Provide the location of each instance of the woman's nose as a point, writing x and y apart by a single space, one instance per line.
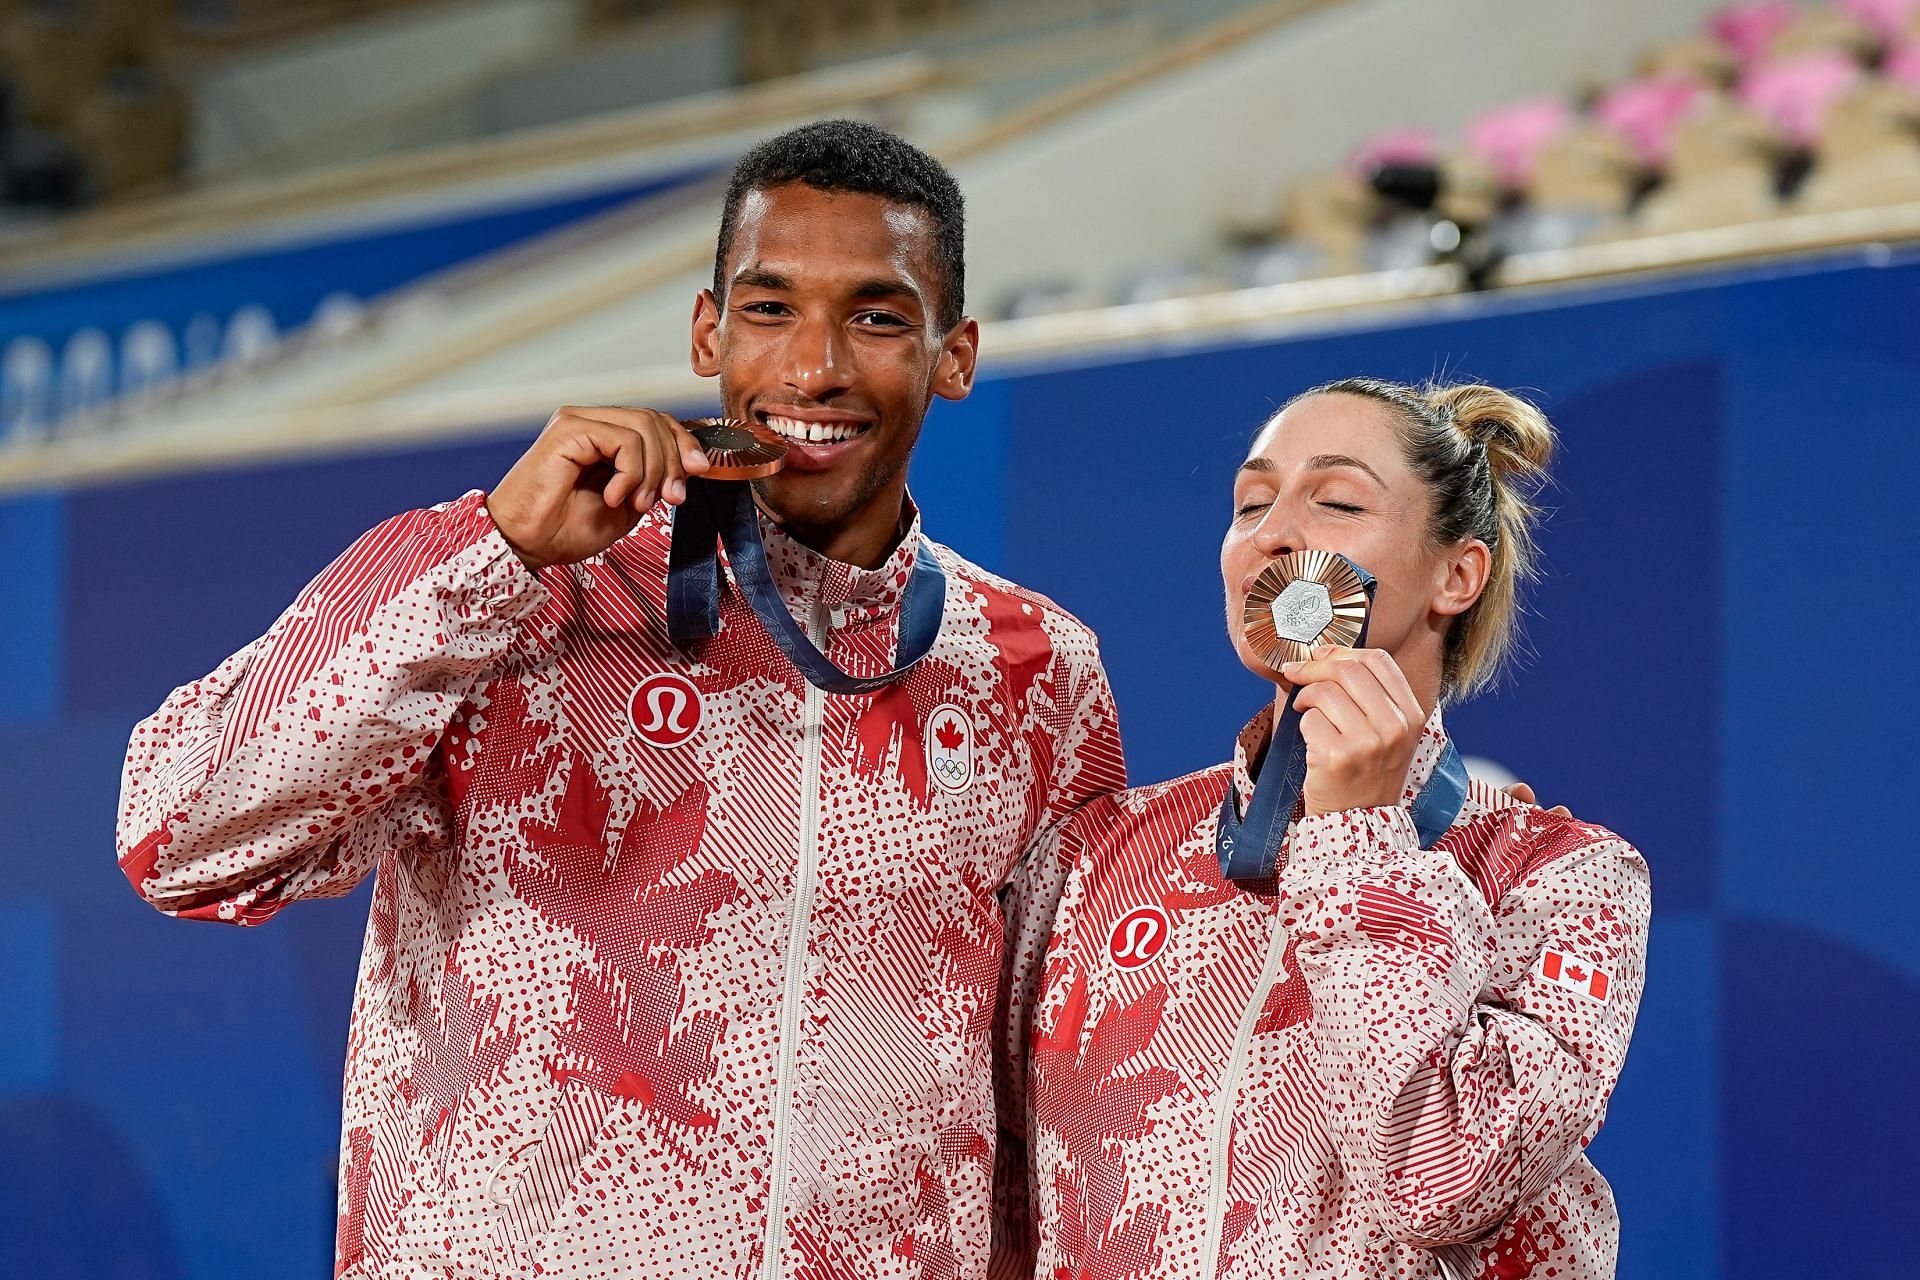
1275 535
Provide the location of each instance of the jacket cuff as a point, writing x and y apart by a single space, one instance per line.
1349 840
490 584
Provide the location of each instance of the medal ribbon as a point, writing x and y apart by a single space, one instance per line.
1249 848
721 512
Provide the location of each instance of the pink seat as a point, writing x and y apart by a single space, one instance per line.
1902 65
1796 93
1747 29
1510 138
1888 17
1646 112
1414 146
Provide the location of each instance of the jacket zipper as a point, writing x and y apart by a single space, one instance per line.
800 917
1229 1095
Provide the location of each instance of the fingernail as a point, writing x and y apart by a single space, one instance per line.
676 490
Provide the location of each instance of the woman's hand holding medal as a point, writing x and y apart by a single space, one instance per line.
1360 722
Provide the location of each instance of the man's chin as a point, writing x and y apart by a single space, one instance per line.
805 498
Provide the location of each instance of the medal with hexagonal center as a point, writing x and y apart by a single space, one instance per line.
1302 611
1303 599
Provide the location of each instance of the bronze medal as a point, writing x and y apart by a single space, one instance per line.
1304 599
738 450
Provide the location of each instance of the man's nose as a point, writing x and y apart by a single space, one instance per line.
819 360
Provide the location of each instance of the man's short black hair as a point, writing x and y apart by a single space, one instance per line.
852 155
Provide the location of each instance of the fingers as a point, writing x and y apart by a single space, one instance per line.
1370 677
1360 721
631 467
1333 703
1524 794
693 459
651 452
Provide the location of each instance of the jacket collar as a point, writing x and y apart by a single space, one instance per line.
806 578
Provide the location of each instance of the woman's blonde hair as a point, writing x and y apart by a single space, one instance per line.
1483 454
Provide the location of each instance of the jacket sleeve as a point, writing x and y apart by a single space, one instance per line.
1088 763
285 772
1461 1079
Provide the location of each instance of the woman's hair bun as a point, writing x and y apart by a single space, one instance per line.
1517 437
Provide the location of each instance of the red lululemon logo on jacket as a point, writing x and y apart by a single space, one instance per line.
1138 937
665 709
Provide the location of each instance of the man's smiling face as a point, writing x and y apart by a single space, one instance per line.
828 333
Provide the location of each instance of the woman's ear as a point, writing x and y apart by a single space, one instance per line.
1463 576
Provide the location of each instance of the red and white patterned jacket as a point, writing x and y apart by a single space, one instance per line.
1385 1062
676 965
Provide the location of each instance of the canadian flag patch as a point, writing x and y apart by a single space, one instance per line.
1575 973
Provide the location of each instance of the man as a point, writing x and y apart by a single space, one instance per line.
680 963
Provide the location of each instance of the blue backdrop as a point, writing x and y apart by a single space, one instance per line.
1719 672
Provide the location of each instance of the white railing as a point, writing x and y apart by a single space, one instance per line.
398 421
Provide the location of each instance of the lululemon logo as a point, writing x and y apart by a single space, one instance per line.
1138 937
950 747
665 709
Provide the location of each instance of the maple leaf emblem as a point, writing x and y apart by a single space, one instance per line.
947 734
617 903
1576 973
628 1035
629 1048
463 1050
887 736
1096 1107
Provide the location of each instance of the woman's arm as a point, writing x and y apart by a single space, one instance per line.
1462 1078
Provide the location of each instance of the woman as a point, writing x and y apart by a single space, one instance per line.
1383 1059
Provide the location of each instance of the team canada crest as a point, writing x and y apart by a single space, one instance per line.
665 709
950 748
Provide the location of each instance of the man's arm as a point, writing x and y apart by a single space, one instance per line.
285 772
241 793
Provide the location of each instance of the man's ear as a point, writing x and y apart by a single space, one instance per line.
1463 576
953 375
706 335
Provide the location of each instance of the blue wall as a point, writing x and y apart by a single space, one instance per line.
1738 458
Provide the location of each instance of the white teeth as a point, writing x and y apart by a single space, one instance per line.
813 432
